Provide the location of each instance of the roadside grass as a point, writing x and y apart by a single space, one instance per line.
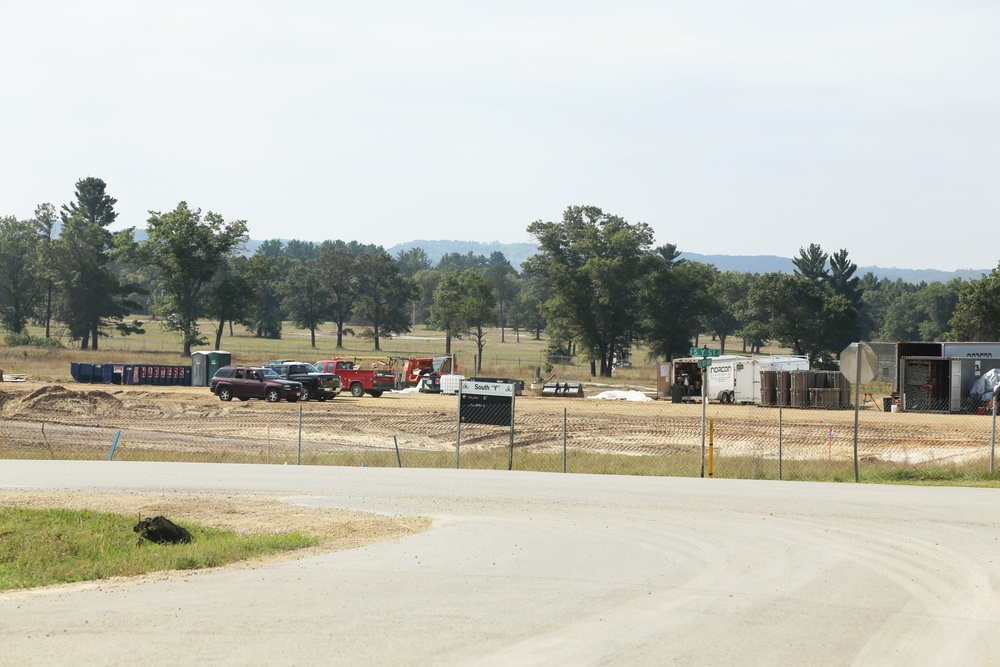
970 473
45 547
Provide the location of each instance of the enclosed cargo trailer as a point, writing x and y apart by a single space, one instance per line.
938 376
733 378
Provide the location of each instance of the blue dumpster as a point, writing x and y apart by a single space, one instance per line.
85 370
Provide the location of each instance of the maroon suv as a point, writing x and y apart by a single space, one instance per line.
246 382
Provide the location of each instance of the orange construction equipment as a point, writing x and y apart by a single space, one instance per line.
417 369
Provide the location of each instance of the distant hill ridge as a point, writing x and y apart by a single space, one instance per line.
516 253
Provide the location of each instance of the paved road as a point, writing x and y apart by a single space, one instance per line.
549 569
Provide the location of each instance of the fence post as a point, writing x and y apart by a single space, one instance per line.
711 447
458 431
510 460
114 445
704 402
299 458
857 409
780 458
993 433
564 438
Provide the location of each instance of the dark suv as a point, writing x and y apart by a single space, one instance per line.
315 383
246 382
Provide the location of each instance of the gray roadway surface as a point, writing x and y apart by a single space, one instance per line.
548 569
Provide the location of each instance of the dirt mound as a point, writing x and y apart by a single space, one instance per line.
50 400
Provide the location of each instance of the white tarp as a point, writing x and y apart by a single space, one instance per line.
986 385
632 395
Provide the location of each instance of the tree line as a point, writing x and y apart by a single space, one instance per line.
597 287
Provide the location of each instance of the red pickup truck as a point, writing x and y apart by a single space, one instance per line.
360 381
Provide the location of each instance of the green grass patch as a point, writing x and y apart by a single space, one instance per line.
945 475
45 547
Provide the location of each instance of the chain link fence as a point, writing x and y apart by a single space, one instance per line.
575 435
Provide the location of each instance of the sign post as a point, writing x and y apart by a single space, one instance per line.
491 403
859 360
706 354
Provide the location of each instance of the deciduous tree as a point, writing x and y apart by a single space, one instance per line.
977 315
307 298
446 309
676 300
384 297
594 264
265 270
22 286
465 304
340 274
230 296
188 250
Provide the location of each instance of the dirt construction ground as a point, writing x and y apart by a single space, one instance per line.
40 420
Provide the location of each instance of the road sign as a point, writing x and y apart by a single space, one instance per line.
705 363
704 352
849 362
486 403
490 388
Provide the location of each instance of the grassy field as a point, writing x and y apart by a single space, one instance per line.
516 356
55 546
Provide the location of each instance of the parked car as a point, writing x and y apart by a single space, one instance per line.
246 382
315 383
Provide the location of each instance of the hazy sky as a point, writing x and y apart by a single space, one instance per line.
730 127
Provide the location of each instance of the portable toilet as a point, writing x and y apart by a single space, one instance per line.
199 369
216 360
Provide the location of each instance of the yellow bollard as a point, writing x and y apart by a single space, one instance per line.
711 447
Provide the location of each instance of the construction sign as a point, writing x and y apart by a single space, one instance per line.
486 403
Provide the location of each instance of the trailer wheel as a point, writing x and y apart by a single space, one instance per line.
357 391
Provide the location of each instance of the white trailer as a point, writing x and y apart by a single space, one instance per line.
717 380
731 378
